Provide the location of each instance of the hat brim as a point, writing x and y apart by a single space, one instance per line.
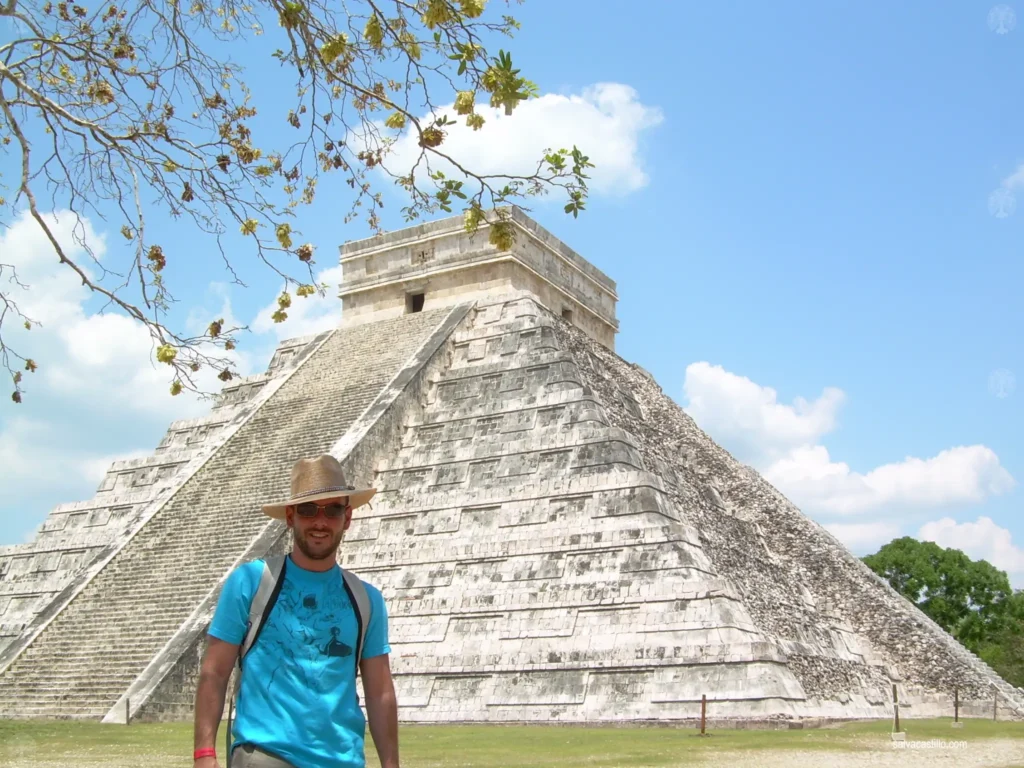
356 498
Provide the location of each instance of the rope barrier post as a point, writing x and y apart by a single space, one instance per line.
703 712
956 705
995 705
897 734
956 708
896 706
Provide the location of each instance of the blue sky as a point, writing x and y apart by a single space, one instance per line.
809 213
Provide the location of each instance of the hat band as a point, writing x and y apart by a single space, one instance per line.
324 490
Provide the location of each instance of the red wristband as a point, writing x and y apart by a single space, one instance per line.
205 752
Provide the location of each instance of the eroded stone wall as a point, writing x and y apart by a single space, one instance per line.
87 655
37 578
449 266
799 584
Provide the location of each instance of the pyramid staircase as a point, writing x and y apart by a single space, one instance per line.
88 654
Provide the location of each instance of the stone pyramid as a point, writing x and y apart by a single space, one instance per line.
555 538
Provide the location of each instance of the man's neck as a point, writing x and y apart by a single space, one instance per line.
309 564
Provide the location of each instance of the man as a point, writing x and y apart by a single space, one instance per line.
298 706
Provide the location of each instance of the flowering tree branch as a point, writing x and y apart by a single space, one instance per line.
134 109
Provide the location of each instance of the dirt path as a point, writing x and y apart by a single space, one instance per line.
990 753
981 753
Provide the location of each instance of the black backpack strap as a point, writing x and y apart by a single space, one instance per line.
360 600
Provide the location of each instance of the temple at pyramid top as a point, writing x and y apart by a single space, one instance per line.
439 264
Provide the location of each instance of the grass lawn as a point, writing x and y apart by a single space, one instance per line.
52 744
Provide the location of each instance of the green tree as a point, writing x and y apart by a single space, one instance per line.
970 599
1004 651
129 108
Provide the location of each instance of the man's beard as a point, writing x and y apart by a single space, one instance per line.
328 548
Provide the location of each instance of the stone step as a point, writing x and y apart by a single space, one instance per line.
86 669
93 662
80 688
75 654
514 364
502 445
50 712
73 648
164 584
78 676
113 623
475 408
58 706
139 607
117 626
82 681
80 645
171 604
37 705
177 594
71 652
107 674
142 597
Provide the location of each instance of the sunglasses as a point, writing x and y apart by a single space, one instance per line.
310 509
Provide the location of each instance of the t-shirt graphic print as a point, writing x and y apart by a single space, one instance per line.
298 696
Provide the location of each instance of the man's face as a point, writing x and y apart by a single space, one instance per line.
318 537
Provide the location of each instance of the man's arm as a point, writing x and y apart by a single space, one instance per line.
210 694
381 708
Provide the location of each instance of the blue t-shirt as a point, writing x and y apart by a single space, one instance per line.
298 695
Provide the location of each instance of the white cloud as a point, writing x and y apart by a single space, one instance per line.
54 293
1002 202
32 456
749 417
982 539
41 465
960 475
864 537
1015 179
100 361
605 121
783 443
98 394
308 315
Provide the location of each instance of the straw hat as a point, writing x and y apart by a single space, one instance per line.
319 479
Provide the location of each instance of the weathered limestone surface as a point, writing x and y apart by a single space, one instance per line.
450 267
166 687
89 653
555 538
843 630
37 579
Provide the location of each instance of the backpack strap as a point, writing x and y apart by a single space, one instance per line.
263 601
271 581
361 603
